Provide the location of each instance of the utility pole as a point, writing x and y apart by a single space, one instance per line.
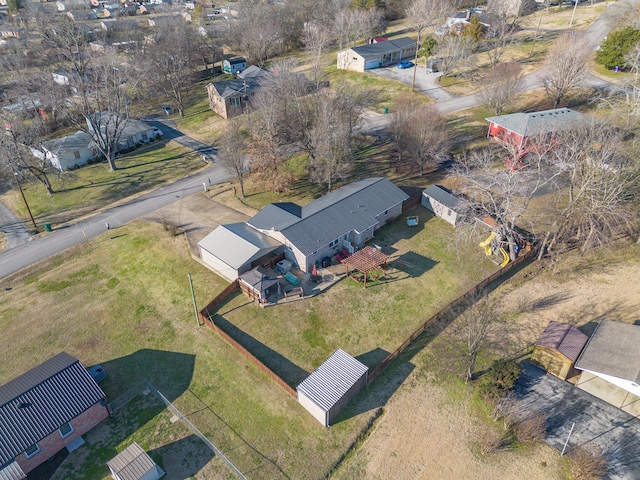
16 175
193 297
573 14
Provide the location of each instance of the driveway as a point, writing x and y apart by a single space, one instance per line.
12 227
426 83
596 422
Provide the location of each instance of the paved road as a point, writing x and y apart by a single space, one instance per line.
26 254
14 229
596 422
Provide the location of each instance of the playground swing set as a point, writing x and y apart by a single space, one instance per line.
492 245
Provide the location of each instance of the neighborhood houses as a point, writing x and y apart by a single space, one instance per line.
278 239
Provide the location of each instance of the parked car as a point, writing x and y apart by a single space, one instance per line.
405 64
157 131
167 109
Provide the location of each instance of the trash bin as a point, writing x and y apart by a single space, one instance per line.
47 227
385 110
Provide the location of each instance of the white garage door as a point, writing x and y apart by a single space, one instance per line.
369 64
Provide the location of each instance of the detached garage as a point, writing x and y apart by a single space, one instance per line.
332 386
557 348
236 248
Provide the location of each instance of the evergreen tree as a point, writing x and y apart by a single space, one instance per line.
15 5
613 50
474 29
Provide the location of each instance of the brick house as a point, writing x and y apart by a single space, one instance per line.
45 410
232 97
516 128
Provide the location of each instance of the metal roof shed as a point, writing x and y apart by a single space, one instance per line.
332 386
133 463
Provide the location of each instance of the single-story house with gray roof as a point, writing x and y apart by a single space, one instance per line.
329 389
378 54
133 463
442 203
610 365
45 410
230 250
345 218
65 153
517 128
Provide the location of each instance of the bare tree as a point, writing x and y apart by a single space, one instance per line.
352 26
603 190
232 152
316 39
425 14
172 58
456 53
500 85
18 137
331 140
503 194
426 137
565 66
403 108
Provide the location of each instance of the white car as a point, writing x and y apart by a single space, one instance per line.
157 131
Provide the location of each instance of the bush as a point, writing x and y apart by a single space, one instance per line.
613 50
500 378
588 463
531 429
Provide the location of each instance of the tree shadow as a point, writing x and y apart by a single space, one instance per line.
183 458
170 372
413 264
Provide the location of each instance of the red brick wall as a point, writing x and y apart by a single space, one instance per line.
53 443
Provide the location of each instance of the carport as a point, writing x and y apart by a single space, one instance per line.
610 365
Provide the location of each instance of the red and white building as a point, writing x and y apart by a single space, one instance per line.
45 410
516 128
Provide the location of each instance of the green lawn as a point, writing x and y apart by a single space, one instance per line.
92 187
122 300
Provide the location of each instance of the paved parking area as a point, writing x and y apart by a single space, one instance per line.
596 421
425 82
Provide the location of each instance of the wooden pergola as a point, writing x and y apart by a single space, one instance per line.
365 261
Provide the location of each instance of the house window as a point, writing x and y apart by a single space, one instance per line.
235 101
346 237
144 135
66 430
32 450
76 154
449 212
334 243
314 253
386 212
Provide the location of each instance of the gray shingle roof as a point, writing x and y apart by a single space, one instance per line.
328 384
442 196
41 400
352 207
276 216
375 49
133 463
538 123
563 337
613 349
229 88
253 71
71 142
237 243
